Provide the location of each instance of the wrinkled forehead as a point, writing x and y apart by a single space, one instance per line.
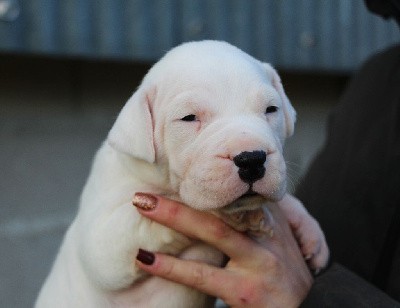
219 70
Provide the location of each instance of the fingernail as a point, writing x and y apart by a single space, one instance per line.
144 201
146 257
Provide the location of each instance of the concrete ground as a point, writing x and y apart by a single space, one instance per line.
54 113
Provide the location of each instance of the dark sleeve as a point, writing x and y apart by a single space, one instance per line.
352 187
338 287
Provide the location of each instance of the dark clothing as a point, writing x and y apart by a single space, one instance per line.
353 186
340 288
385 8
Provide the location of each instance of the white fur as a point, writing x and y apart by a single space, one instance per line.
150 149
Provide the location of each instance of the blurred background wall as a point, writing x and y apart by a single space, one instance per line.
68 66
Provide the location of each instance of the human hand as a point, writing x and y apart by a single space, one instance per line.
268 273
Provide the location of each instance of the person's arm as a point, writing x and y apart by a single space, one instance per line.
271 273
339 287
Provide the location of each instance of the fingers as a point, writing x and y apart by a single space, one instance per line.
203 277
271 273
195 224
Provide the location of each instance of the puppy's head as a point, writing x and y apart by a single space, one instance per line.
215 119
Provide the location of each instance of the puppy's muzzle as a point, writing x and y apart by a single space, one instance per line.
251 165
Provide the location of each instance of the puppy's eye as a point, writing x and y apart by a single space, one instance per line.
189 118
271 109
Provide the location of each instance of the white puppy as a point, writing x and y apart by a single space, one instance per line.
206 127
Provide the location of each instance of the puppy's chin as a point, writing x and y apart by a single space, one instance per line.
247 202
246 214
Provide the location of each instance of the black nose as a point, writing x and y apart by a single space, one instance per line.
251 165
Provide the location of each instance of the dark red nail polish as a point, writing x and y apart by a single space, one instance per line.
146 257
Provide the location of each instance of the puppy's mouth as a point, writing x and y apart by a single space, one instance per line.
250 193
247 202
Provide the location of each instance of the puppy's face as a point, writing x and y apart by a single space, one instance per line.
218 119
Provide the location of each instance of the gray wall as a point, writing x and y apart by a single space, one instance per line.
292 34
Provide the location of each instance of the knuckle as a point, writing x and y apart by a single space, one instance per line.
167 269
198 276
250 293
173 211
221 230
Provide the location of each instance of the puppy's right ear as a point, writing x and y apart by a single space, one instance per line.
132 132
288 110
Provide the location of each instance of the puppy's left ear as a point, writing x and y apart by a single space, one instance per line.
132 132
288 110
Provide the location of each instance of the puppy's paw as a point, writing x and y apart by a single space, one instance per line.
308 233
312 243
